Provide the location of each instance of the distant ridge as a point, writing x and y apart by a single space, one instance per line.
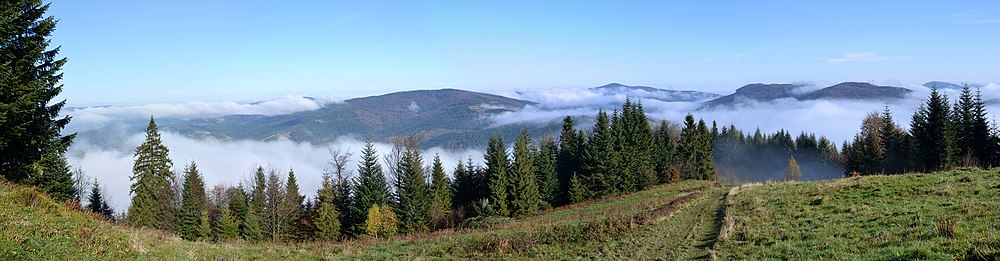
759 92
654 93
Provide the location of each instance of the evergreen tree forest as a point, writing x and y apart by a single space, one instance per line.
941 136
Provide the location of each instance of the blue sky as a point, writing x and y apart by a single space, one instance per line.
133 52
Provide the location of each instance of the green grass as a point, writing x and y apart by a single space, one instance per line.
868 218
941 216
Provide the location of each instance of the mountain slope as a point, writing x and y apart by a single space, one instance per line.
654 93
447 117
939 216
843 91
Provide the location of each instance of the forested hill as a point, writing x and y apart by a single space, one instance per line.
447 117
843 91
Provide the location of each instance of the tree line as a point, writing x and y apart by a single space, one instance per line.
622 153
941 136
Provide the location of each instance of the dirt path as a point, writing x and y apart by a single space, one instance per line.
685 234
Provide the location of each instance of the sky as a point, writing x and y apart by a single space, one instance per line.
138 52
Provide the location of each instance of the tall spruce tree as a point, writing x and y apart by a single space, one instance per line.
31 146
545 169
152 188
193 203
571 146
413 197
251 226
498 175
99 204
596 162
664 152
523 191
258 193
972 129
293 207
933 134
440 211
276 213
370 185
636 145
896 144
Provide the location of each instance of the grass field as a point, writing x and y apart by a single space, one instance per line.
952 215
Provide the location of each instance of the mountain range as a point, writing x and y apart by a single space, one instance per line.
454 118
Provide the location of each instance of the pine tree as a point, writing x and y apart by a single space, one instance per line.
545 169
204 226
441 197
327 217
293 207
523 192
577 190
413 195
54 177
98 204
792 171
30 140
193 203
636 145
696 150
596 162
498 173
276 213
238 207
226 227
152 188
933 134
896 144
258 196
568 161
251 226
664 152
370 185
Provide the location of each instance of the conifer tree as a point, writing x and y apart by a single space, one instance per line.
204 226
193 203
636 148
523 192
276 213
251 226
596 162
664 152
545 169
792 171
98 204
933 134
896 144
327 217
577 190
54 177
972 129
293 207
370 185
152 188
226 228
30 73
571 146
258 196
441 197
238 207
413 195
498 173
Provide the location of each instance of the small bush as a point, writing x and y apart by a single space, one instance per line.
485 222
946 227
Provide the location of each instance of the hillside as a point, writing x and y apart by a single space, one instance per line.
447 117
843 91
877 217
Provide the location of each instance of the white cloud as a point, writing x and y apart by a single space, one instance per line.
283 105
230 162
858 57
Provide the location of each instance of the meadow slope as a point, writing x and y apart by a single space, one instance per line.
924 216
